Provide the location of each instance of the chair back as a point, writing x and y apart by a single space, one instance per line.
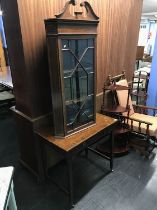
122 96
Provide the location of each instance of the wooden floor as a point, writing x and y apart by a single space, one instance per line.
132 185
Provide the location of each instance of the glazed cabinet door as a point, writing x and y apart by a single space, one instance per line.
78 66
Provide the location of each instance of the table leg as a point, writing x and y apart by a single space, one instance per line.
111 151
70 180
40 155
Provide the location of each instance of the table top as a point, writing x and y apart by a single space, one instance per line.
5 181
72 141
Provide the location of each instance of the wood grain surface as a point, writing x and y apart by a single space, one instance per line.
74 140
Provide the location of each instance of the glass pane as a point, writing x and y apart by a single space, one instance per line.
81 112
79 84
89 107
88 60
67 89
90 42
71 112
90 83
81 47
69 61
72 45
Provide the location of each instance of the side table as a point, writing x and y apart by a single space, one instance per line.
71 146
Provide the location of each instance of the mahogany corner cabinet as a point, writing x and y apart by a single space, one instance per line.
71 43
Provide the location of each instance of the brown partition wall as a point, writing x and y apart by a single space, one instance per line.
24 25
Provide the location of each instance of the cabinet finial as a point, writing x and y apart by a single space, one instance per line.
78 15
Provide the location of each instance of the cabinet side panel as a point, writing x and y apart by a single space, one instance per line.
56 88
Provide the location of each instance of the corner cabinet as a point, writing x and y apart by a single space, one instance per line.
71 43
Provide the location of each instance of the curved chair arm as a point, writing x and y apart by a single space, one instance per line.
143 109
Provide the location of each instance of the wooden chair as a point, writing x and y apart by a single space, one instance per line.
139 123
